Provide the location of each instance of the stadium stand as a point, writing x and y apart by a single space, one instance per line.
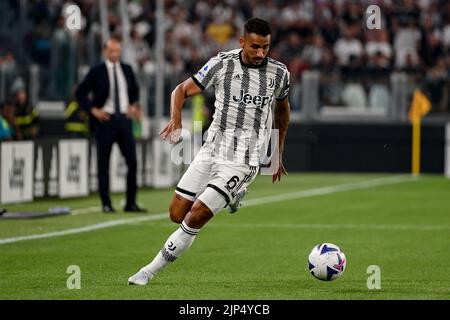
327 36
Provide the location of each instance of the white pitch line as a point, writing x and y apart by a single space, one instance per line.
388 227
92 227
251 202
328 190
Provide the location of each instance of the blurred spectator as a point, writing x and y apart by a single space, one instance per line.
407 12
266 10
313 52
379 59
61 64
330 30
379 55
290 48
446 37
411 64
330 85
26 116
220 29
77 119
7 122
8 72
7 62
347 48
431 46
141 47
406 41
436 79
352 17
379 50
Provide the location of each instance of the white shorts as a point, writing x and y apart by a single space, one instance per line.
213 181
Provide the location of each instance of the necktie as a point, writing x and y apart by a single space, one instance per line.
116 93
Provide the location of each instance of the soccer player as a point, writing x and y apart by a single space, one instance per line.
246 83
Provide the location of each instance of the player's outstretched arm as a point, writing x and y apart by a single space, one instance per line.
172 130
282 115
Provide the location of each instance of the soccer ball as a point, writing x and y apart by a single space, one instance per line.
326 262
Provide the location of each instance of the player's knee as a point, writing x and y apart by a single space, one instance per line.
178 208
176 213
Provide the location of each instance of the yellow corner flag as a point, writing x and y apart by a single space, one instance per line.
420 106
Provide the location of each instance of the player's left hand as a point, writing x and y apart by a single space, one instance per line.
281 171
171 132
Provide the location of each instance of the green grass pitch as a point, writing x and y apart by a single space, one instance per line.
402 226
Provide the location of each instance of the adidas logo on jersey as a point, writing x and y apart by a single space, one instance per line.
237 77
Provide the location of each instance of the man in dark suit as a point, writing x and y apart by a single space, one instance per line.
112 106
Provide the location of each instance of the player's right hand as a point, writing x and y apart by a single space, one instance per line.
280 171
171 132
100 115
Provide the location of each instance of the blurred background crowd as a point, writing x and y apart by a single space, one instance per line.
330 36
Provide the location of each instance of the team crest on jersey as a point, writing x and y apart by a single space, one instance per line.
271 83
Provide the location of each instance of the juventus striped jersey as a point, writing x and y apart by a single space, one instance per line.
242 120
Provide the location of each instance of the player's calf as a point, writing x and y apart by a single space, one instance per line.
199 215
177 243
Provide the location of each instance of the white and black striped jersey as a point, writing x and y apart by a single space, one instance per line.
245 94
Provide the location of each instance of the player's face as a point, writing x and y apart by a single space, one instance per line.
113 50
255 48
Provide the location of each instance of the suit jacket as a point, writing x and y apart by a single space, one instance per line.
97 83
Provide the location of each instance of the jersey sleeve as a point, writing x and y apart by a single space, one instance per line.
208 74
283 90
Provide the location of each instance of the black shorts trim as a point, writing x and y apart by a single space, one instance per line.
222 193
185 192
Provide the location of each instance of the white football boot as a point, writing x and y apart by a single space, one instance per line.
141 278
234 204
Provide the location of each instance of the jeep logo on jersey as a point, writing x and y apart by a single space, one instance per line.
259 101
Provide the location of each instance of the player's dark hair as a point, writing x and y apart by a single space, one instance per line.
258 26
